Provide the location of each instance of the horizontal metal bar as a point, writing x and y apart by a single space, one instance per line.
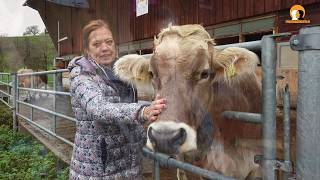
47 111
252 45
5 93
4 102
243 116
2 73
44 72
286 34
46 130
46 91
165 159
7 84
63 39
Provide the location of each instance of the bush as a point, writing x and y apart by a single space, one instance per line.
5 115
23 158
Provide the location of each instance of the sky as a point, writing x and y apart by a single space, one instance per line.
15 18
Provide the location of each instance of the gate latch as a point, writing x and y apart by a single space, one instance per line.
285 166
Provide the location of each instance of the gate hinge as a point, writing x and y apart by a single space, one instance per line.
305 42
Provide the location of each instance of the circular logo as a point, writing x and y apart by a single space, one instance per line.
297 12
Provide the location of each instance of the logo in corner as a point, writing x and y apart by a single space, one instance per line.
297 13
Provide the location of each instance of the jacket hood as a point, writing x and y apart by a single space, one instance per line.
85 64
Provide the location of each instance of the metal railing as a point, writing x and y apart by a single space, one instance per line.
16 89
158 157
308 163
5 94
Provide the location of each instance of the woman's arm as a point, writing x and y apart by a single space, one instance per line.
98 107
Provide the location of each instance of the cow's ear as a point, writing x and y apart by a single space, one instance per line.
134 69
233 63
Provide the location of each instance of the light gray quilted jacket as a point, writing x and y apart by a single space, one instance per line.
110 134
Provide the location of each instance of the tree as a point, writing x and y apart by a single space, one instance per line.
3 56
32 30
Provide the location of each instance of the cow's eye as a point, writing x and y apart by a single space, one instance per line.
151 74
205 74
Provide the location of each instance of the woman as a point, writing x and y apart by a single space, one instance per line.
110 134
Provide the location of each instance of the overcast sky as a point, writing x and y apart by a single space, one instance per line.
14 18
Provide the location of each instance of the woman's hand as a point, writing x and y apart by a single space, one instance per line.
152 111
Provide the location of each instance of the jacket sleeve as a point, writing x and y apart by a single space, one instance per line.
97 105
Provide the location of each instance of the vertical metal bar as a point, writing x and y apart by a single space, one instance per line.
17 92
156 170
8 87
308 108
14 103
54 102
286 128
31 96
31 117
1 79
269 105
58 44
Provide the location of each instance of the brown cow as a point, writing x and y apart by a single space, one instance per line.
199 83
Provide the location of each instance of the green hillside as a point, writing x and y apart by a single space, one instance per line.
34 52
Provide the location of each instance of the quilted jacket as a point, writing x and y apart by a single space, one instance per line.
110 135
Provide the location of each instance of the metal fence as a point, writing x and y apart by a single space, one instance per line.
308 162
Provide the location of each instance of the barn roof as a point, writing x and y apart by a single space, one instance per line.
69 3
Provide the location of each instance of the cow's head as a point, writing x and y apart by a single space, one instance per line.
25 81
182 70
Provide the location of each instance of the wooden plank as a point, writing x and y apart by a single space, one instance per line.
277 4
65 31
153 19
234 9
76 31
269 5
146 25
241 8
213 13
182 13
51 21
205 9
226 7
305 2
218 9
313 13
285 4
249 8
259 7
98 8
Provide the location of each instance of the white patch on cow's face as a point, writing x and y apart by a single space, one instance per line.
168 48
191 138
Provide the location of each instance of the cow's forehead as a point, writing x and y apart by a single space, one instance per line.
184 52
169 47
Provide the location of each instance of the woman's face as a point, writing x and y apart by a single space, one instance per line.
101 46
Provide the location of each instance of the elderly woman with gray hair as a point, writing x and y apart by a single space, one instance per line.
110 134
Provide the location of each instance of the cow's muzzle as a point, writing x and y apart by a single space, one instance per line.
167 141
171 137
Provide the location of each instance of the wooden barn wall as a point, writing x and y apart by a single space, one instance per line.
127 27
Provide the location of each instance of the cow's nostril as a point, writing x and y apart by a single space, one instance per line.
167 141
151 136
180 137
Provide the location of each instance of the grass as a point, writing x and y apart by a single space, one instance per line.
21 157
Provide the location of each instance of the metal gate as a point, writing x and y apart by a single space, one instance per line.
308 107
